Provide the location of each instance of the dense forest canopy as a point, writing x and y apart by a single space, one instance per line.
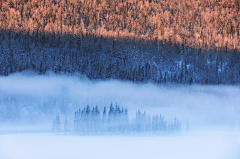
206 24
158 41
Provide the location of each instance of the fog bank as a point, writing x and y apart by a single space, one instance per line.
30 98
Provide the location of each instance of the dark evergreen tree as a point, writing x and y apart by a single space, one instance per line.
97 120
56 125
111 115
187 126
66 126
104 121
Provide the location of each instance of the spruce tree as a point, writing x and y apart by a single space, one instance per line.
126 125
66 126
75 122
97 120
88 122
58 122
56 125
187 126
104 120
110 118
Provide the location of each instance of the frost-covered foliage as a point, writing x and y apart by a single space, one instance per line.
90 122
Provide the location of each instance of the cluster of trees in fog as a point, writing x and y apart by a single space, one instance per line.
102 58
115 121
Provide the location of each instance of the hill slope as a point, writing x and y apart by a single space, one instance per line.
206 24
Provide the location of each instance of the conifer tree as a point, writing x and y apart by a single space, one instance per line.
56 125
187 126
97 120
125 121
66 126
104 120
111 118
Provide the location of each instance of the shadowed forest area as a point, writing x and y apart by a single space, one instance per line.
100 58
142 41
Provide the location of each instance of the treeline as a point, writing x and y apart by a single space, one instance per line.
115 121
205 24
100 58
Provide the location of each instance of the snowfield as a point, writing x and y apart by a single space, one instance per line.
196 145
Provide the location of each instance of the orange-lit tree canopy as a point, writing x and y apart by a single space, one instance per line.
207 24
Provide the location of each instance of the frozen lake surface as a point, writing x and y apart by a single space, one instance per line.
196 145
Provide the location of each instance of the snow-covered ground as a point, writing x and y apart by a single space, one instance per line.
198 145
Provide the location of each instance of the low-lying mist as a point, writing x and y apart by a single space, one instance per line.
30 99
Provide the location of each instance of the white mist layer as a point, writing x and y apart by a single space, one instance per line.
28 104
34 97
217 145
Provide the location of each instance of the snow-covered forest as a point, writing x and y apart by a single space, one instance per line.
100 58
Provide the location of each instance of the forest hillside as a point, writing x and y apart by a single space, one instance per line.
206 24
158 41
